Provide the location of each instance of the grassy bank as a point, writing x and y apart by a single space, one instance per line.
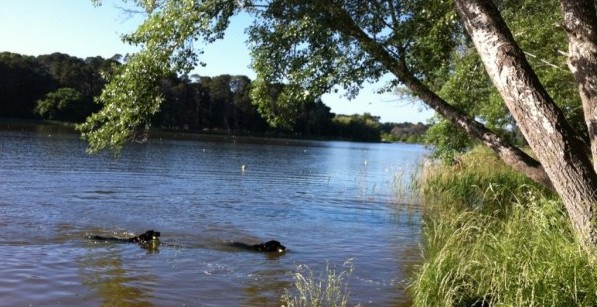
493 238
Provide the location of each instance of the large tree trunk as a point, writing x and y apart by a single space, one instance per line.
511 155
580 22
540 120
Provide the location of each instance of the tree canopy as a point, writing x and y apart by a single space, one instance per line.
314 47
308 62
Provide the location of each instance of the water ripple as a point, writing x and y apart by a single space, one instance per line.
326 201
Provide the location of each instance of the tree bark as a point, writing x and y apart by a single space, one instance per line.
511 155
540 120
580 22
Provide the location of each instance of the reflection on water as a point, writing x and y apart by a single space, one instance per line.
103 272
265 288
325 201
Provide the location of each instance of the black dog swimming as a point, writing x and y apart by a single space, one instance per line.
144 238
268 247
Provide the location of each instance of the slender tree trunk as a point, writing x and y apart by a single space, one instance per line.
580 22
511 155
540 120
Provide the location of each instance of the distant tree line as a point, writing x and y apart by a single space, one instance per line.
62 87
403 132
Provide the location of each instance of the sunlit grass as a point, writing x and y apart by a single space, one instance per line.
405 192
330 288
493 238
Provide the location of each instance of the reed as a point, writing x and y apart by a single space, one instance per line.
492 238
330 288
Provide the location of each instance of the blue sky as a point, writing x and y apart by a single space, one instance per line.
78 28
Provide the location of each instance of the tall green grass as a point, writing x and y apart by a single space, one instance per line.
493 238
325 290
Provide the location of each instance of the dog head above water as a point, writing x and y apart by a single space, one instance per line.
270 246
147 236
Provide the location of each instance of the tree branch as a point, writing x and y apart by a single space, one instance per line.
511 155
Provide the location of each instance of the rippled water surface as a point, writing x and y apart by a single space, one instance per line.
326 201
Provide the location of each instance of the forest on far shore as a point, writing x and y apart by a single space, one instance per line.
63 88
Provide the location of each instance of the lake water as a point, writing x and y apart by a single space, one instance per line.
326 201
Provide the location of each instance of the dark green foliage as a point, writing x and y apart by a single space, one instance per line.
454 69
61 105
220 103
316 120
23 80
61 87
448 141
358 127
403 132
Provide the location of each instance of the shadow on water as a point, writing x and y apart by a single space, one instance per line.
104 271
121 276
265 287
